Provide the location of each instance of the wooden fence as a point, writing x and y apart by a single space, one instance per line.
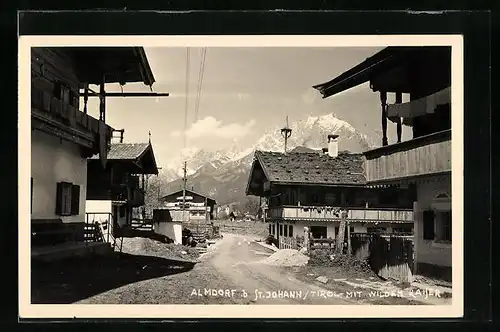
322 244
391 257
291 242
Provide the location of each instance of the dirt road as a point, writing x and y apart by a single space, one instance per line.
229 273
237 258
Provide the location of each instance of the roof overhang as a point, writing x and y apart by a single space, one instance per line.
389 70
117 64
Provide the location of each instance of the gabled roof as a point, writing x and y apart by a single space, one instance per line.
132 152
383 61
127 151
189 191
312 168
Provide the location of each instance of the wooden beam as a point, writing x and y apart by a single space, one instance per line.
102 104
383 101
129 94
85 98
399 127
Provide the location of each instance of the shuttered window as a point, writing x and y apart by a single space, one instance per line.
428 233
75 199
67 199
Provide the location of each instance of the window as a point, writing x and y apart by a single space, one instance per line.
281 230
428 233
336 230
72 98
293 196
444 231
274 229
122 211
318 232
58 90
285 230
376 229
67 199
330 199
290 230
270 229
351 229
402 229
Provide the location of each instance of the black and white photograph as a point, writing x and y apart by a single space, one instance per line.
256 180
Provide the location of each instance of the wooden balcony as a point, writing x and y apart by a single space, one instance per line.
322 213
426 155
51 115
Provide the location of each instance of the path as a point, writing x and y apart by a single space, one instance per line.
230 267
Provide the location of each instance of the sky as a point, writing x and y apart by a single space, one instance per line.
245 91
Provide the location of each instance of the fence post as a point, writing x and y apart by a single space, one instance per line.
306 239
349 248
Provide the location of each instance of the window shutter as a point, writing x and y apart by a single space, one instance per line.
59 198
75 199
428 217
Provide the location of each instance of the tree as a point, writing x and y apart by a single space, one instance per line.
251 206
152 195
342 213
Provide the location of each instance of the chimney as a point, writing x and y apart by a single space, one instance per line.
333 146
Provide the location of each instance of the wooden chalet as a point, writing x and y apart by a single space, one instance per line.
64 135
423 73
199 208
123 182
304 189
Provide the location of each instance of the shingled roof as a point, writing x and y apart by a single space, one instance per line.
126 151
131 152
312 168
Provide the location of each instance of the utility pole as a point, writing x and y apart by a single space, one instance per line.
286 132
184 179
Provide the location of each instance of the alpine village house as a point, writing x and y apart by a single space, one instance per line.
423 162
303 189
64 137
199 208
123 183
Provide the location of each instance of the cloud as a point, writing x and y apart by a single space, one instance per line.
211 127
310 96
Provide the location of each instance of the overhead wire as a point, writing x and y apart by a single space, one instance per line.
187 99
200 82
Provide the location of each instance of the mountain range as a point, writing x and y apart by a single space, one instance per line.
223 174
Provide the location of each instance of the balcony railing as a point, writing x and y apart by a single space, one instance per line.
328 213
426 155
61 118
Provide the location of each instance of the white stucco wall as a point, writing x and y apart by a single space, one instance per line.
52 161
171 229
429 251
92 206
